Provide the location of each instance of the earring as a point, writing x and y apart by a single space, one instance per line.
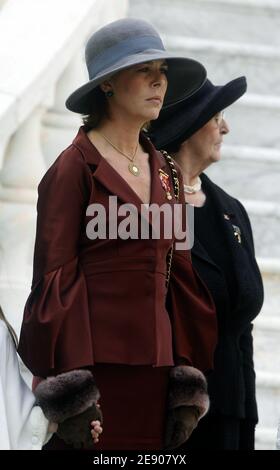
109 93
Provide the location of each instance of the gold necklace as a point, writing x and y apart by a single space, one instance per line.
132 167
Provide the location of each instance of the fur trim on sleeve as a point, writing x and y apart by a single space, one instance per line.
188 387
67 394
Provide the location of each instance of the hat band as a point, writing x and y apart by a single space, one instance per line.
121 50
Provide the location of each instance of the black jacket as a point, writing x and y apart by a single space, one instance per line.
232 384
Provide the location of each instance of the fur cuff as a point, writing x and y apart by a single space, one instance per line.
67 394
188 387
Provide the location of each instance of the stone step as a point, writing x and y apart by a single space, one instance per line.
265 438
258 62
267 343
268 398
254 121
248 172
265 221
257 21
254 155
270 269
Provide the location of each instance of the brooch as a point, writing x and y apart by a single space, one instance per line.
237 233
164 179
236 229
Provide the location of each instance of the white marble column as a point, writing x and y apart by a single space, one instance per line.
59 124
23 167
23 164
4 140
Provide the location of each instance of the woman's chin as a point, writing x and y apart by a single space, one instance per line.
153 114
217 155
215 158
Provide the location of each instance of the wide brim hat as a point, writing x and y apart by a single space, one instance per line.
129 42
179 122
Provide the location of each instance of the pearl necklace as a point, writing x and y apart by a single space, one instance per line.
193 189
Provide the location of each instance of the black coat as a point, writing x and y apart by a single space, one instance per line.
232 384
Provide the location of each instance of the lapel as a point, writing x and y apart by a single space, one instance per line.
228 219
103 172
226 212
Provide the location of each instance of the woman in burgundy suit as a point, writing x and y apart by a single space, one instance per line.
98 297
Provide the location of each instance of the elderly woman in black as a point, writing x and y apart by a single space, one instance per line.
223 254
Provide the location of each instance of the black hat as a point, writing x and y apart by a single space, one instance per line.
178 122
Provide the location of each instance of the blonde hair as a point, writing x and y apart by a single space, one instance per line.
10 328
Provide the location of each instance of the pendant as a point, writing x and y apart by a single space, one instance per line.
134 169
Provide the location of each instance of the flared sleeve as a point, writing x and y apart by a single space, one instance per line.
55 334
191 308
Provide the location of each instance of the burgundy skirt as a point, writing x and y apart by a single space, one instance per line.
133 403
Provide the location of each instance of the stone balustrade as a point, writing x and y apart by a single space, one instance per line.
41 44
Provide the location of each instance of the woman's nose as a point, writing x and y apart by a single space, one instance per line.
224 127
159 79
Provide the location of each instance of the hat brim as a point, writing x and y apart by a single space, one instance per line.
185 76
177 123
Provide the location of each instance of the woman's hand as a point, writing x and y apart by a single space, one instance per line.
52 427
70 399
96 431
97 428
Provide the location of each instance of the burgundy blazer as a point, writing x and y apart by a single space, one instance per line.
104 300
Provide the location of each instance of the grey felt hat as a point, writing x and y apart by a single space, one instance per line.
128 42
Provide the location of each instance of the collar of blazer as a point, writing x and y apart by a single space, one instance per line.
222 200
114 182
227 209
